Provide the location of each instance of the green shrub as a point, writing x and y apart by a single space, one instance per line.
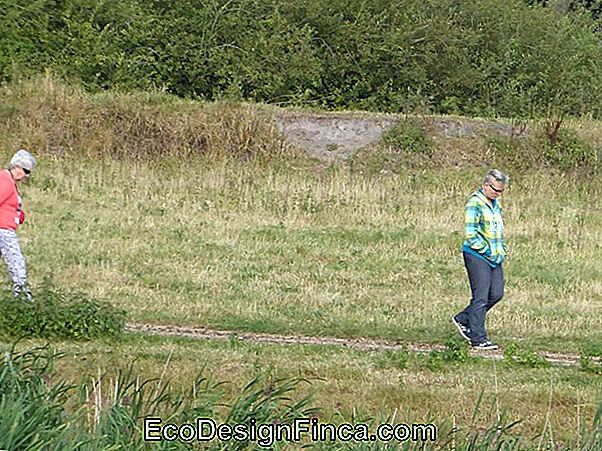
406 144
515 354
564 150
518 154
409 137
455 352
591 358
54 314
568 151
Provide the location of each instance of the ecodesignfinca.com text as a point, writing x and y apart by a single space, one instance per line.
301 429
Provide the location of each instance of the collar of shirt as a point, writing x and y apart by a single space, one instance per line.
492 203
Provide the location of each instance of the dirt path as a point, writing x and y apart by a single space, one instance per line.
203 333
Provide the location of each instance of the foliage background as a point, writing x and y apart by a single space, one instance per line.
483 57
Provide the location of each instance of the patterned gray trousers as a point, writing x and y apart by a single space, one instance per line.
15 263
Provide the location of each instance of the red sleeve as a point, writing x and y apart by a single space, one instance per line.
7 186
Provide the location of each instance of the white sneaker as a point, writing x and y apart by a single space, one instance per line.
486 345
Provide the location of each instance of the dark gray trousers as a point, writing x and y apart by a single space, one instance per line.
487 288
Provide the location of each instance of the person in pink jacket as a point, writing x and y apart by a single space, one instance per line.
11 216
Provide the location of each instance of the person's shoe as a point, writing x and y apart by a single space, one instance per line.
486 346
462 329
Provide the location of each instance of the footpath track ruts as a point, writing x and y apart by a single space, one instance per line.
204 333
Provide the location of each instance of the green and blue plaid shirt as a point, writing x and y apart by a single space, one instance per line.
484 229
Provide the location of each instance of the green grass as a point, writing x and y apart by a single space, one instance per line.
469 393
246 247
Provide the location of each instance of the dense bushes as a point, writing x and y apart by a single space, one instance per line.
54 314
483 57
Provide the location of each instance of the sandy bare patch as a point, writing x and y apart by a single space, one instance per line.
331 137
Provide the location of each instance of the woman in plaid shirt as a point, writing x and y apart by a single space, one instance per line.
484 251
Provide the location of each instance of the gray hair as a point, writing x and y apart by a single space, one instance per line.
22 159
496 175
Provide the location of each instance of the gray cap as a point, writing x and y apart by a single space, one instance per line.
23 159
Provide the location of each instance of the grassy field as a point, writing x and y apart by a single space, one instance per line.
271 242
249 248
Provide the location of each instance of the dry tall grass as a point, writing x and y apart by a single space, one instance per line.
62 120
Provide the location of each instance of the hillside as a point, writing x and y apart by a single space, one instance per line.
61 120
375 142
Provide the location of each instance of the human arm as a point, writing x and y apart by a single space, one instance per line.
7 188
473 228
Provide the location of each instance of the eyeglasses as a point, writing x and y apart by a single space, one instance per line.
499 191
27 171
